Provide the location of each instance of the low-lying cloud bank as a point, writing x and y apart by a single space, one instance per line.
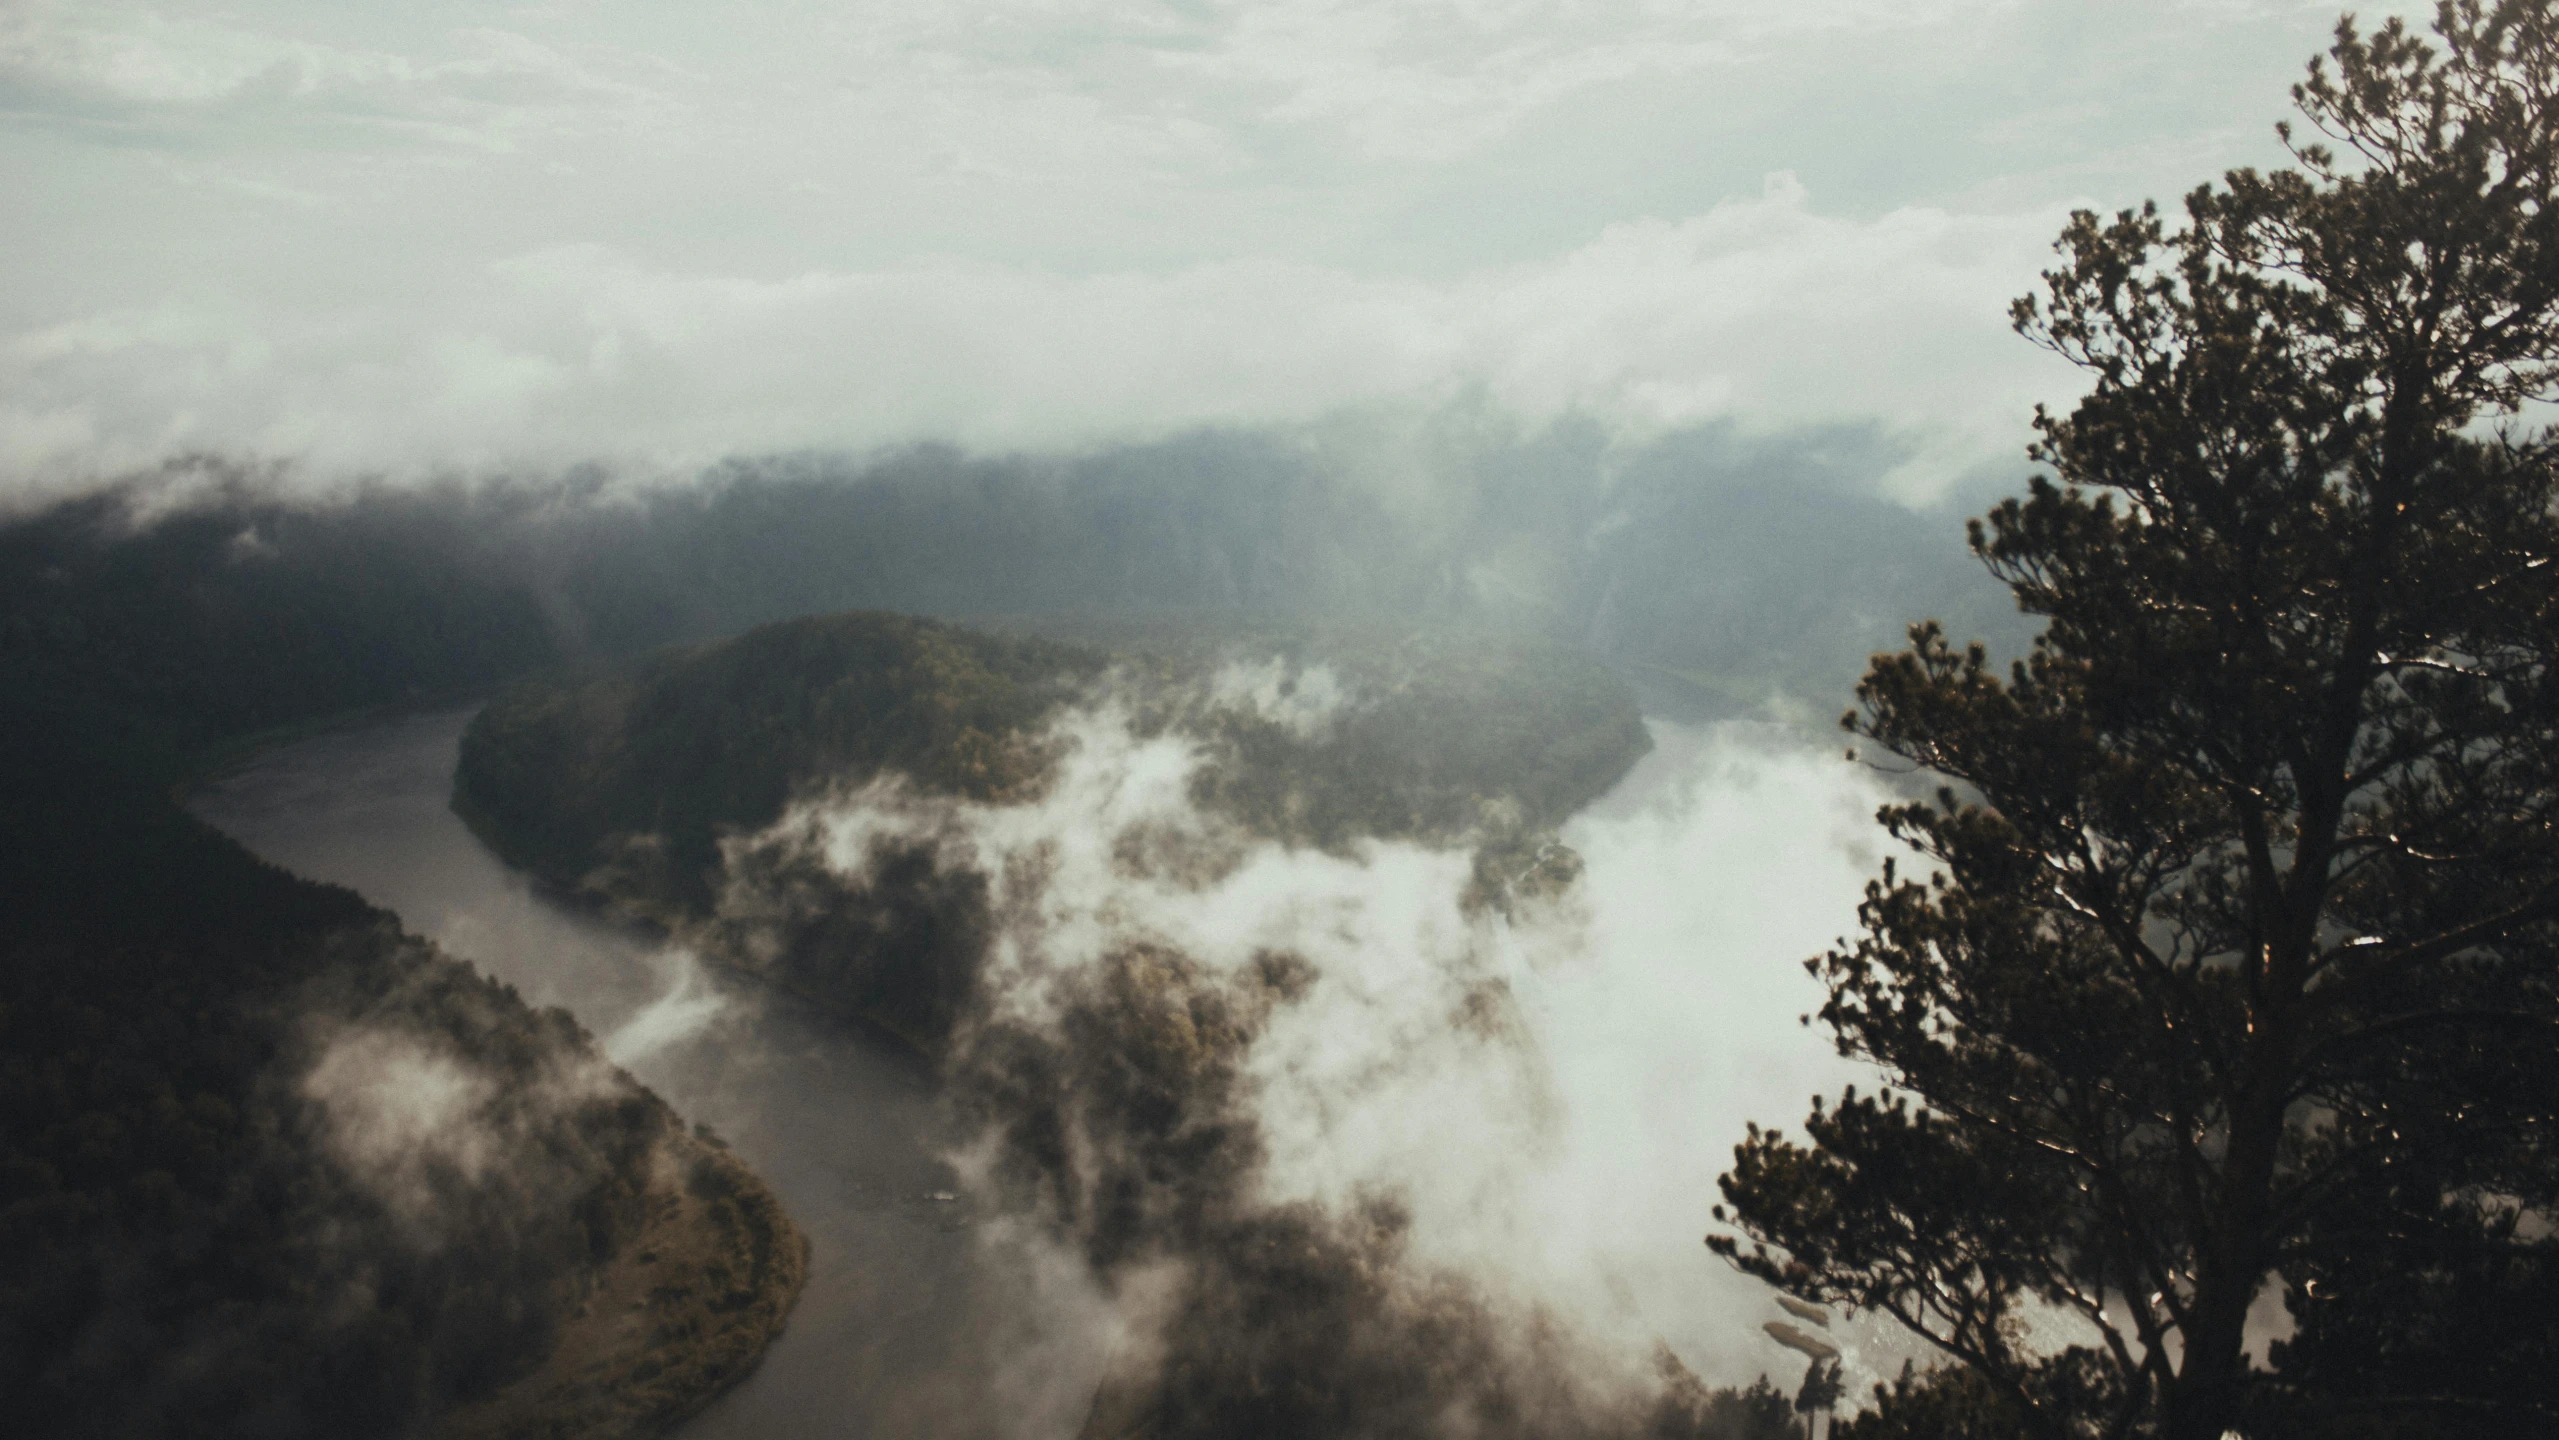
1334 1143
1762 312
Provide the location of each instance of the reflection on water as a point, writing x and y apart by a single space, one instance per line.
909 1325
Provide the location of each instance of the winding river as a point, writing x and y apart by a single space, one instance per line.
892 1335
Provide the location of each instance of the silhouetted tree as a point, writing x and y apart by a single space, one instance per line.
2236 938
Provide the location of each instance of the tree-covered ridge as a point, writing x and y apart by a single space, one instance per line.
1722 569
234 614
698 1291
627 778
622 785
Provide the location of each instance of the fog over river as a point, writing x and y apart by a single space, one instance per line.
1662 1016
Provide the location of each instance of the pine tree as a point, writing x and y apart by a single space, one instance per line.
2235 923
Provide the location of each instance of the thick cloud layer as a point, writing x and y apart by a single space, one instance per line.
527 236
1762 311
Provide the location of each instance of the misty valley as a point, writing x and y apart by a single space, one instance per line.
1122 1020
984 1252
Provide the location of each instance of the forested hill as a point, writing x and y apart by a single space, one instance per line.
621 783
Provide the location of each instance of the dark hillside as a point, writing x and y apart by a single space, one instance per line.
557 774
240 615
268 1166
221 1211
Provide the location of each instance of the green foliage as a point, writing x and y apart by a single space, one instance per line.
2235 960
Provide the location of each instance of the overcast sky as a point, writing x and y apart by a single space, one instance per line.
398 238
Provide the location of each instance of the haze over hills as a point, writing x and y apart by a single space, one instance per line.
1081 884
154 627
1720 571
